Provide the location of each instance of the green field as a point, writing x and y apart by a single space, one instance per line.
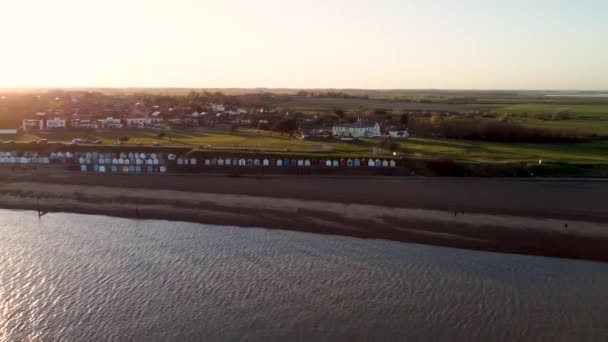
592 152
580 111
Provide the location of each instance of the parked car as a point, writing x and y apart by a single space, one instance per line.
98 142
43 141
155 144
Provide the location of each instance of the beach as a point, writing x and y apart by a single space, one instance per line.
562 218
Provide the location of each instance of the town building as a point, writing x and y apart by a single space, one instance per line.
359 129
33 124
55 123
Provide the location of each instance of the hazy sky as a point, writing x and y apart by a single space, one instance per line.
542 44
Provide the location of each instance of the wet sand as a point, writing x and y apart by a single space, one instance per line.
553 218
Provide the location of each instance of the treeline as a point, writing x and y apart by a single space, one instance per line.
488 130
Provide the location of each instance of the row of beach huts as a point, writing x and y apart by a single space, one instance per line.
137 162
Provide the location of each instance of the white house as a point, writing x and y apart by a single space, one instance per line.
29 124
144 122
399 134
218 107
110 122
359 129
55 123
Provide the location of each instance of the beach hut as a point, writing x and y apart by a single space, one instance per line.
150 169
162 169
44 160
156 161
378 163
242 162
371 163
300 162
220 162
385 163
307 163
114 168
294 162
114 161
286 163
336 163
279 162
228 162
131 168
127 162
94 155
207 162
213 161
88 155
349 163
12 160
83 168
256 162
265 162
342 163
328 163
249 162
122 155
192 161
96 168
81 160
102 168
125 169
138 168
392 163
171 156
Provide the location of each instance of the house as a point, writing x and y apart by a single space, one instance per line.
110 122
217 107
144 122
55 123
84 123
399 134
29 124
359 129
8 131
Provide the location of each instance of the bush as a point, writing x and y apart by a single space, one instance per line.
124 138
388 144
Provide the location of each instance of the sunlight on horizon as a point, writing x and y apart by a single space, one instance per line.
317 44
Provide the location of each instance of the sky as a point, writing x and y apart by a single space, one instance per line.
383 44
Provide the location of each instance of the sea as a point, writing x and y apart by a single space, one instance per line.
75 277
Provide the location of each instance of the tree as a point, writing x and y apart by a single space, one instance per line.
339 112
302 93
287 126
404 119
161 135
124 138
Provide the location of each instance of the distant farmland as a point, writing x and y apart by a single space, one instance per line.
346 103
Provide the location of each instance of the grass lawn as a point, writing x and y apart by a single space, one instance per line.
248 138
592 152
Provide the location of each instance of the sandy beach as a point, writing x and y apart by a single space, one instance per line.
541 217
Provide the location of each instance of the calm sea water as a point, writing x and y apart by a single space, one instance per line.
91 278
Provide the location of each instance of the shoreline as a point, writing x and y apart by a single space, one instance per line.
570 234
